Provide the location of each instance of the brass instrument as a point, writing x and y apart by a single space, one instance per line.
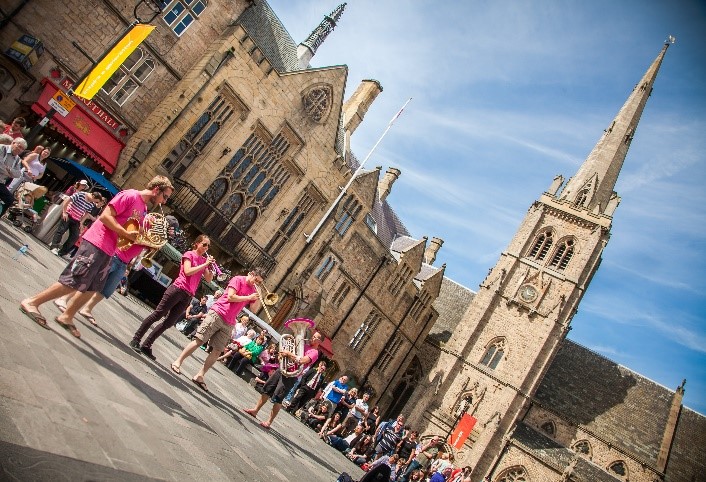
293 344
269 299
221 274
151 233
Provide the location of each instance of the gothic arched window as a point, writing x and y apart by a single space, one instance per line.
513 474
619 469
562 255
583 447
549 428
541 245
494 353
581 198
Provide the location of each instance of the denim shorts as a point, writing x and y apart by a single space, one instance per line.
115 274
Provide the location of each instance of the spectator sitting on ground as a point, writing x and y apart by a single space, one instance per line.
391 461
247 355
316 415
332 426
236 345
441 476
359 452
342 444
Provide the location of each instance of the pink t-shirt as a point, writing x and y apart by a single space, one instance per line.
126 204
189 283
227 310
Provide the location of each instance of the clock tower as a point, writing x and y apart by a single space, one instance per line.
501 349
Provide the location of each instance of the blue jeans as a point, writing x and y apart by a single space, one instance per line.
115 274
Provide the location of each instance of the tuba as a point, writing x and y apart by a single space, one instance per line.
151 233
293 344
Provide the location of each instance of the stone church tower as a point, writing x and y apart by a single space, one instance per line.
508 337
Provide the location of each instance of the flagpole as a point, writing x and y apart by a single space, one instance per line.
310 237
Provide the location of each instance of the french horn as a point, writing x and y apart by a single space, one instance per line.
151 233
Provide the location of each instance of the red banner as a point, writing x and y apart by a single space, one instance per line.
462 431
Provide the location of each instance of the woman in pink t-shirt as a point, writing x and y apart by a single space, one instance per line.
177 297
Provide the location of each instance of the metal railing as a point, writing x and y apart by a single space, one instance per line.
190 204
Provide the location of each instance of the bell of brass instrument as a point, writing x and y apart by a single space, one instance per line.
294 344
151 233
268 299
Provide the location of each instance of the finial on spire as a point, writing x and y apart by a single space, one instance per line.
670 40
317 37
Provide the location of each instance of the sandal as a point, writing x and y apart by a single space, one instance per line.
60 304
201 384
176 369
70 327
35 316
88 317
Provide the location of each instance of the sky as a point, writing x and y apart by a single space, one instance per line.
506 95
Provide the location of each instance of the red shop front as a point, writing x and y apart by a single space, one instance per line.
87 126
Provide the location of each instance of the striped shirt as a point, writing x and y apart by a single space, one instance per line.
78 206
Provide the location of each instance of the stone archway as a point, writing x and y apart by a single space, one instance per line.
404 388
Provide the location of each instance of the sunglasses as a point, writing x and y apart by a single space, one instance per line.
206 244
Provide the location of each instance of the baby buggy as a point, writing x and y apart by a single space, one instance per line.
21 214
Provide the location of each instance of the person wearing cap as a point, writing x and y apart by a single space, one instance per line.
88 270
74 210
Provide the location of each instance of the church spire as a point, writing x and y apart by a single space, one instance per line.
592 186
308 47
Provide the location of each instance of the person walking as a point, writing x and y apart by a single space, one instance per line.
88 270
219 322
194 264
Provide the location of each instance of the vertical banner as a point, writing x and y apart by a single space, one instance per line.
462 431
104 69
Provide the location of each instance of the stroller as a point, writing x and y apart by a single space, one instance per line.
22 214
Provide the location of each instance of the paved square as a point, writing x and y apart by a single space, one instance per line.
92 409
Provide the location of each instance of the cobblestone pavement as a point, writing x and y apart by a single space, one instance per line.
92 409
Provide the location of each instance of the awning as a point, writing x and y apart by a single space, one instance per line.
327 347
78 170
83 130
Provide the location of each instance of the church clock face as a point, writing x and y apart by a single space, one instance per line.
528 293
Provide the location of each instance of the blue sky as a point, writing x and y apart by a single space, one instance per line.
508 94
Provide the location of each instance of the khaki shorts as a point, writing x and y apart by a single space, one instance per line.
215 330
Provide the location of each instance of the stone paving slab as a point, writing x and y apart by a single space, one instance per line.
92 409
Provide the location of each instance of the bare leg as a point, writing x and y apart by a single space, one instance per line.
275 410
186 353
208 363
54 291
260 403
95 299
77 301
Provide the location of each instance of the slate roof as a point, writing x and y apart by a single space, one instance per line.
687 459
557 456
268 33
389 225
451 304
622 407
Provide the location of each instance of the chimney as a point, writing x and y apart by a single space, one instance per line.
432 250
354 109
385 186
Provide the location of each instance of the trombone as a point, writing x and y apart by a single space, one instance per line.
269 299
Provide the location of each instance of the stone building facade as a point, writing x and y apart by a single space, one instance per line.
543 407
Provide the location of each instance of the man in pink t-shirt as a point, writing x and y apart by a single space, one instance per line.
219 321
87 271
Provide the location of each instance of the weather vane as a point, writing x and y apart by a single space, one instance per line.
670 39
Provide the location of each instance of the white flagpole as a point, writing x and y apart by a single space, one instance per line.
309 237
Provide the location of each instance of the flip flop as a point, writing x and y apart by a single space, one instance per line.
265 425
176 369
61 306
70 327
36 317
201 384
89 318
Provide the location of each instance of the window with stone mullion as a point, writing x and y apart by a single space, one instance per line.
365 331
389 352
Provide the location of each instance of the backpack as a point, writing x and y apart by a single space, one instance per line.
344 477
